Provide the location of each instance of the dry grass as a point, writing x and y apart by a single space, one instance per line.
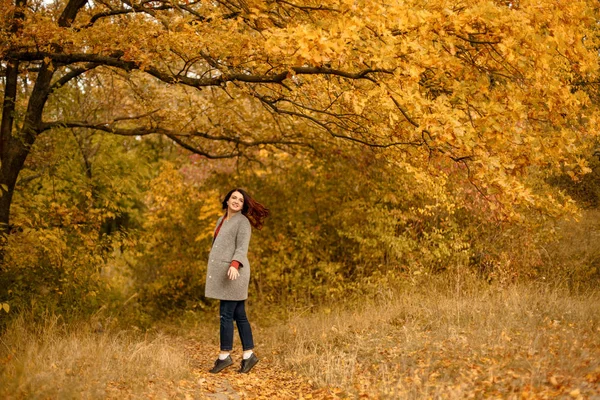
451 339
53 361
447 341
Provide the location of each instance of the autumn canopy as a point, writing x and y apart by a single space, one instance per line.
490 90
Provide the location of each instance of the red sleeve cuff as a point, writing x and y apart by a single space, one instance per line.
235 264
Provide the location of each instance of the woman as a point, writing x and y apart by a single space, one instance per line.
228 274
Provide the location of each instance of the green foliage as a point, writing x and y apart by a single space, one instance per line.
75 196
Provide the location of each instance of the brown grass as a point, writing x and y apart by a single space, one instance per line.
447 341
53 361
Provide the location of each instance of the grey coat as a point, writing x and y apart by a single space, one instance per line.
231 244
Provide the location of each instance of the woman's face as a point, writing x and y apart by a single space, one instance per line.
235 202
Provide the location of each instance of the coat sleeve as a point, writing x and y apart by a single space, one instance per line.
242 241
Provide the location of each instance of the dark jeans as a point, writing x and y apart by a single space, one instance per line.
230 311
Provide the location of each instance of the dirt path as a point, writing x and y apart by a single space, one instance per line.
265 381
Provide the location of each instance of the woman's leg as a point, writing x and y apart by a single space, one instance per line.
243 325
226 312
249 359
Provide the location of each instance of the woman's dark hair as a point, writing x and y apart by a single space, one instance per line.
252 209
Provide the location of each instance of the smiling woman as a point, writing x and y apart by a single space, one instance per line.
228 274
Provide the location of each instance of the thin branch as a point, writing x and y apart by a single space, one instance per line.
237 140
476 41
308 8
330 71
346 121
337 135
472 182
74 73
200 152
127 118
503 63
175 136
26 180
461 159
104 127
110 13
409 119
140 131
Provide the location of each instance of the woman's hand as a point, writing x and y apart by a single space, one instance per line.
233 273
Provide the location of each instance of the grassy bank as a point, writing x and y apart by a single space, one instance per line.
474 341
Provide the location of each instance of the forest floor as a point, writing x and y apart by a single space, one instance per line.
267 380
515 342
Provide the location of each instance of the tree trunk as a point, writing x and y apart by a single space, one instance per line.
9 172
15 143
12 155
7 182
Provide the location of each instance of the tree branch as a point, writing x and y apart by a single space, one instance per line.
308 8
238 141
140 131
472 41
175 136
110 13
346 122
70 12
403 111
200 152
134 8
115 60
74 73
324 126
330 71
